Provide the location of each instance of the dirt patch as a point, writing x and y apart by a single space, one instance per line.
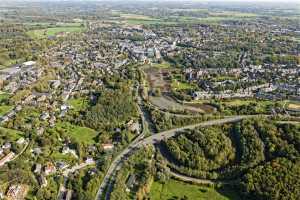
294 106
167 103
203 106
158 78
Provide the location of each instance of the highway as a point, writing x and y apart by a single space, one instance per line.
170 133
140 142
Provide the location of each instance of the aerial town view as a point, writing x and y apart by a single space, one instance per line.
149 100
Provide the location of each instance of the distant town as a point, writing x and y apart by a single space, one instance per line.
142 100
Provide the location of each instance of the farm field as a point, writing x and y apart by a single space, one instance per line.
174 189
68 28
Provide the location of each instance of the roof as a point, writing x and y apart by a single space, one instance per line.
29 63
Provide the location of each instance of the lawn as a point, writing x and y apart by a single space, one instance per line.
65 157
11 134
163 65
78 133
5 109
78 104
4 96
238 102
176 190
178 85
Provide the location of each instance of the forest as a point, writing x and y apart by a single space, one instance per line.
261 155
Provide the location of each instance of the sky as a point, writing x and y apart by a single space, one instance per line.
277 1
283 1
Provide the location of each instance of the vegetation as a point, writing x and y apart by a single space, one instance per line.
108 106
77 133
173 189
277 179
42 33
136 176
203 151
247 144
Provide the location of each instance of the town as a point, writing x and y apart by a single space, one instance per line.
117 101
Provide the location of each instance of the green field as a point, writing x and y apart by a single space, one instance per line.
78 133
178 85
212 18
177 190
78 104
59 156
4 109
4 96
240 102
10 134
137 17
68 28
163 65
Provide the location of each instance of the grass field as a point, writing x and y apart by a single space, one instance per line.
238 102
78 133
78 104
11 134
65 28
137 17
65 157
4 96
177 85
176 190
4 109
163 65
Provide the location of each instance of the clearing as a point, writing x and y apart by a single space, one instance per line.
78 133
174 189
10 134
78 104
46 32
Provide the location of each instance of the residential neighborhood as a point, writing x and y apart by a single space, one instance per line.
149 100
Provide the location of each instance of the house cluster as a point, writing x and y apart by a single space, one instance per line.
264 82
6 152
15 192
19 76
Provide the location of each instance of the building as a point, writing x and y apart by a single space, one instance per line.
7 158
107 146
49 168
42 181
38 168
69 195
29 64
17 192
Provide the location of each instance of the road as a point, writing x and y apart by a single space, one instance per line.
139 142
170 133
107 182
198 180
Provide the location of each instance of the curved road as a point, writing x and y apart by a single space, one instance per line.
198 180
139 142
